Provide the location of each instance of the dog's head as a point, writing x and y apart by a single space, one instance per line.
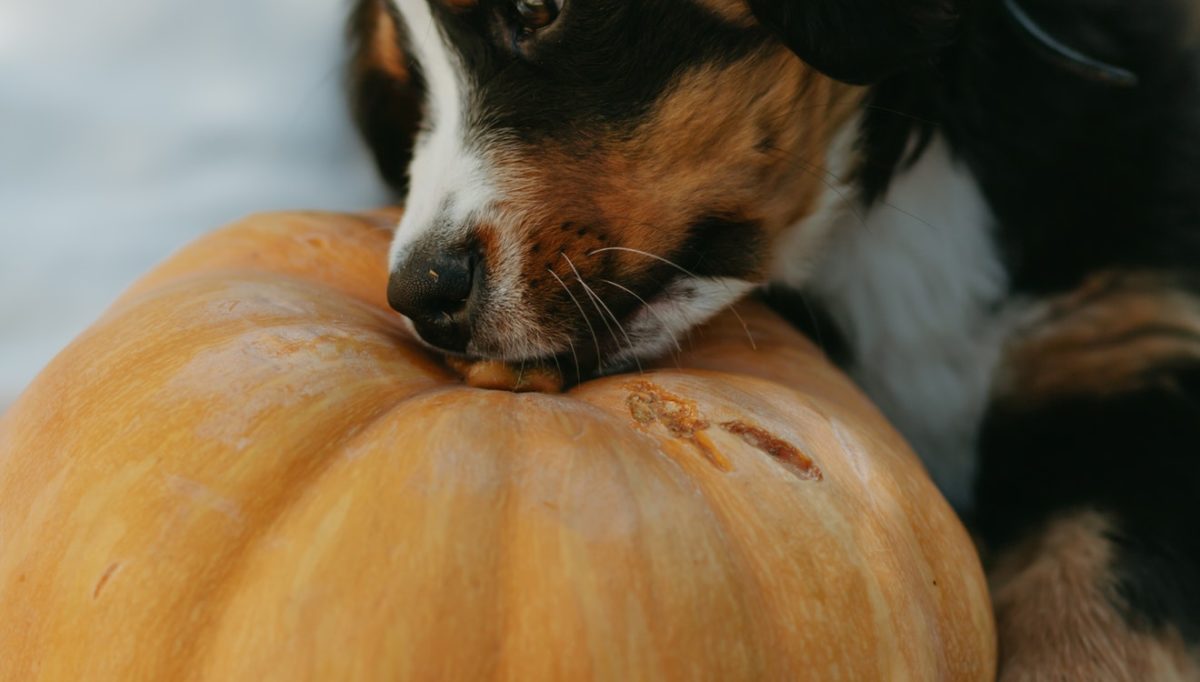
586 179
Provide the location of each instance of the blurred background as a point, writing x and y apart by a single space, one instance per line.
129 127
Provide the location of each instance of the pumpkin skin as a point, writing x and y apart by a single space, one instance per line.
246 471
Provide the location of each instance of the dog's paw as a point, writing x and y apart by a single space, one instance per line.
1059 616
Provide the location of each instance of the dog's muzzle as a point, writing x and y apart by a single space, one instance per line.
438 288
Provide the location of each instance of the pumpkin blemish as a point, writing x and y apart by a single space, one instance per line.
108 573
649 403
798 462
640 408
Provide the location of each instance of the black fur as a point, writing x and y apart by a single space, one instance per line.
1082 177
1134 457
809 316
599 70
861 41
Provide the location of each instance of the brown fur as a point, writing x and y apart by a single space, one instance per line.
1107 337
736 12
380 47
1058 619
459 5
764 167
738 147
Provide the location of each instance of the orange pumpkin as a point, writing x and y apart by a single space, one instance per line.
245 471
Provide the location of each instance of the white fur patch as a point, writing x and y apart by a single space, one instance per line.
800 249
683 304
914 285
451 193
450 184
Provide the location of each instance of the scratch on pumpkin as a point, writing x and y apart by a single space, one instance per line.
104 578
801 464
649 403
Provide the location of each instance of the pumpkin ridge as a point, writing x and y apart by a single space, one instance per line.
301 486
342 252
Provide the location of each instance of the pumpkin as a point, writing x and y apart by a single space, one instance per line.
246 471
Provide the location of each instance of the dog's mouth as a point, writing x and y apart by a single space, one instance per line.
574 299
599 335
621 306
587 332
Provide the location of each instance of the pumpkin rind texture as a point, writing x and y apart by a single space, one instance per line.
245 470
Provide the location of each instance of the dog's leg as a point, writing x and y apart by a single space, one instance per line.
1089 491
1061 614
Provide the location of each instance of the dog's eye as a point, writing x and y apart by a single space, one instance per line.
537 14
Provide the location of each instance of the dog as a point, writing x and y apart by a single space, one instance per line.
987 211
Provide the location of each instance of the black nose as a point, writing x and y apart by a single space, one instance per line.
434 287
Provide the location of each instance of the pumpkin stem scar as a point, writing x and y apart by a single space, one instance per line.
649 403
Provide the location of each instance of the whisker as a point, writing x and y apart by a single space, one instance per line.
521 372
824 175
603 319
624 333
647 254
591 297
595 339
855 210
554 357
578 371
919 219
652 311
689 273
599 303
745 327
904 114
812 318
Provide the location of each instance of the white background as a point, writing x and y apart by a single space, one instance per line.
128 127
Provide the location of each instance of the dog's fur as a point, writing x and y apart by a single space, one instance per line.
1005 253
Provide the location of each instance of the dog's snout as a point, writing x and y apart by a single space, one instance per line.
434 287
431 284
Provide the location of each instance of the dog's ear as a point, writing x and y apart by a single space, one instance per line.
862 41
386 89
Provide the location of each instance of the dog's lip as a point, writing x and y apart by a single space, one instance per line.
581 359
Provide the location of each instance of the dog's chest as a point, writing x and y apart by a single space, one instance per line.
918 289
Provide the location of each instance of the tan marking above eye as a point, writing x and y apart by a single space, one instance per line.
460 5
